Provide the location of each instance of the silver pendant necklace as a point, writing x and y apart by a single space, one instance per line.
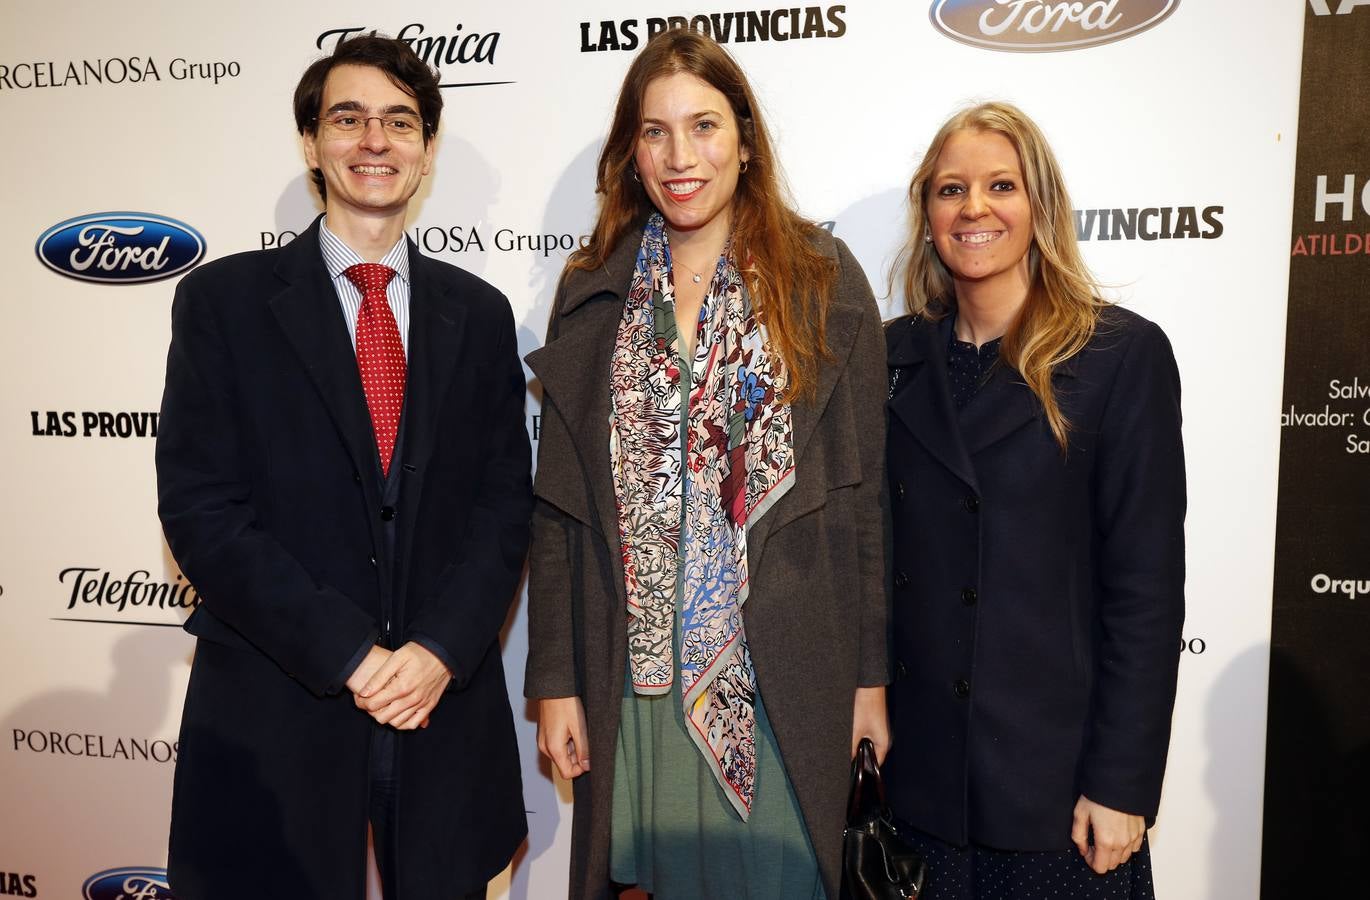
695 276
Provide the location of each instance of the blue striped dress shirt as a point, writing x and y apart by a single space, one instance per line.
338 258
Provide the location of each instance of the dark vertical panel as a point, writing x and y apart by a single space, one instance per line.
1316 836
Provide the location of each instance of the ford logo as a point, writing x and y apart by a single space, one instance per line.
1034 26
134 883
120 247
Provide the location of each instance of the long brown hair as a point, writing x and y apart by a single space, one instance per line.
1063 301
790 281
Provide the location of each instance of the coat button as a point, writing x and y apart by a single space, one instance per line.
961 688
387 513
373 561
899 490
900 671
357 477
968 596
972 504
901 579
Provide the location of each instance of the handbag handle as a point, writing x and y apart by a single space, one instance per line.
866 784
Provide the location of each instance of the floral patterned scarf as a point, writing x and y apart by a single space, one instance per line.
740 454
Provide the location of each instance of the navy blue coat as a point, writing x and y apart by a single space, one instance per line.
271 499
1038 597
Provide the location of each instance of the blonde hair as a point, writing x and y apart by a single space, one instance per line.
789 279
1063 302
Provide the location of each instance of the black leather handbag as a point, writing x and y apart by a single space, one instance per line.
878 863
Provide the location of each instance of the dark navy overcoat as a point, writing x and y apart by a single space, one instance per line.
1038 596
271 498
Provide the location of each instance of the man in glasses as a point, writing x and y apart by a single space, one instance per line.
343 472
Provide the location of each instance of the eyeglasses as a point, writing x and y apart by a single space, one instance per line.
398 126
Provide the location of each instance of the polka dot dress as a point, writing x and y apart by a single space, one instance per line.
980 873
380 356
968 367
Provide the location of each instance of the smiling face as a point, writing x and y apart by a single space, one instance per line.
978 212
689 151
368 175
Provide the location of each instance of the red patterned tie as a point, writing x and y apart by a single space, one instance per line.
380 355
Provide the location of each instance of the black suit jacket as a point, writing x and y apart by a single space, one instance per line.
272 503
1038 597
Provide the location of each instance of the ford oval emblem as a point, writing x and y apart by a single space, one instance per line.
120 247
132 883
1035 26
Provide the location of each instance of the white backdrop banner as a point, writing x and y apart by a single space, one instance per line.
1173 119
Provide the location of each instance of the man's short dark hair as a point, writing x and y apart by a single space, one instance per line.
393 57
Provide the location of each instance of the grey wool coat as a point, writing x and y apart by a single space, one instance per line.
817 615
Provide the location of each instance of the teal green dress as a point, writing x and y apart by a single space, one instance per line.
674 833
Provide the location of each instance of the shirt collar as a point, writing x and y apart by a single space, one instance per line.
338 257
985 352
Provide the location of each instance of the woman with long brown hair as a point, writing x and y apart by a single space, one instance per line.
707 611
1037 476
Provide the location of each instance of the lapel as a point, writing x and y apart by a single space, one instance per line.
844 321
307 311
843 324
437 327
573 369
1004 404
924 403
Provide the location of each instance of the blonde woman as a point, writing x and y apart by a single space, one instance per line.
1038 498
